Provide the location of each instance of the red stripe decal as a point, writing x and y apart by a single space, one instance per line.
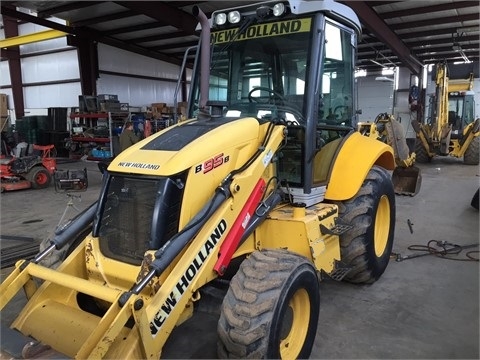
230 244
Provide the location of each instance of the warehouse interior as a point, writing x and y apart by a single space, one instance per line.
132 51
74 73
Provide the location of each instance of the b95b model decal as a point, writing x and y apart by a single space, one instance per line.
212 163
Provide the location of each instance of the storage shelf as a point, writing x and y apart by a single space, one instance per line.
85 145
89 115
102 115
89 139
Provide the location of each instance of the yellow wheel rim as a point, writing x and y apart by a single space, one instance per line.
382 226
294 326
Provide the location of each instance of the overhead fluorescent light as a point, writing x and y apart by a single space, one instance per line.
384 79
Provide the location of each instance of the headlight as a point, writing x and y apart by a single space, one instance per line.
220 19
278 9
234 17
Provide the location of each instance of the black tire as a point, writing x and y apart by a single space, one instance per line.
367 247
476 200
271 308
472 154
421 155
39 177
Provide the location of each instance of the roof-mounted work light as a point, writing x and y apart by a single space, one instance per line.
234 17
278 9
220 19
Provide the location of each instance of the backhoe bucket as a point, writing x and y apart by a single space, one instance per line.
407 181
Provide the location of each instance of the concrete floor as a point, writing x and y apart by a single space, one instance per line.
421 308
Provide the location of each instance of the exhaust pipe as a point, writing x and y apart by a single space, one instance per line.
204 57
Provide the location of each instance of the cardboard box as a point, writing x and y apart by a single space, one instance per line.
183 104
182 110
3 123
156 109
3 105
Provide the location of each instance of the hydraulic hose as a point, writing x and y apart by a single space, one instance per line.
69 231
165 255
74 227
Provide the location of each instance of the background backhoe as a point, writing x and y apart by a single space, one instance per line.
260 195
452 129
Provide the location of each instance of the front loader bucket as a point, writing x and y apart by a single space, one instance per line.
407 181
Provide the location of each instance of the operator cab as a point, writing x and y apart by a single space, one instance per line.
461 109
293 63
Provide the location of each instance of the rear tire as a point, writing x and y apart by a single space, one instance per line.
367 247
472 154
421 155
39 177
271 308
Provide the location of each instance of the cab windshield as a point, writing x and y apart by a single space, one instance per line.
296 69
460 110
264 71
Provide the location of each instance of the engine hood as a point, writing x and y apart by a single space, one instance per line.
181 146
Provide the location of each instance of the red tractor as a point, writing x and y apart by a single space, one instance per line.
31 171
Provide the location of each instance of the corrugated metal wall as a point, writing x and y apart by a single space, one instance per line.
374 97
62 71
136 91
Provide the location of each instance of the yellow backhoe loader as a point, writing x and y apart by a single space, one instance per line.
261 189
452 129
406 177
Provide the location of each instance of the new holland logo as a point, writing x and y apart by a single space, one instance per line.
139 165
263 30
186 279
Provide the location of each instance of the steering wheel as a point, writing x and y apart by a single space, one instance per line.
261 88
338 111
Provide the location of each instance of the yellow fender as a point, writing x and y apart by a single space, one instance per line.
354 160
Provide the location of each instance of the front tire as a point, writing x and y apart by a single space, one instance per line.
367 247
472 154
271 308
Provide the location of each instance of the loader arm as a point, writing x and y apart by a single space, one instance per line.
195 267
155 316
